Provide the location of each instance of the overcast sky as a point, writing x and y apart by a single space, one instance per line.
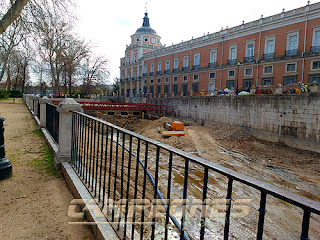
109 24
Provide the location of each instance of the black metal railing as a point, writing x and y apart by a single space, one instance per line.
249 59
151 73
184 69
145 74
195 67
166 71
52 121
212 64
315 49
232 61
175 70
291 53
159 72
131 176
268 56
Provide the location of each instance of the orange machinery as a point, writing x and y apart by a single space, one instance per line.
175 129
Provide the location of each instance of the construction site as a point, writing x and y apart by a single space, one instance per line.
238 149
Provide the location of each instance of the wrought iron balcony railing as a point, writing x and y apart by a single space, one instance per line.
175 70
166 71
212 64
315 49
291 53
159 72
268 56
249 59
151 73
232 61
184 69
195 67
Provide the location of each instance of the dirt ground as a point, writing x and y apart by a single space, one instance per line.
33 203
236 148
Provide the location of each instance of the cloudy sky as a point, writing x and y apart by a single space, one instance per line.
109 24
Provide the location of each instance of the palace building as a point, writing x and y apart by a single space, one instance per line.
279 49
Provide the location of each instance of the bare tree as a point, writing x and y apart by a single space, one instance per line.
12 14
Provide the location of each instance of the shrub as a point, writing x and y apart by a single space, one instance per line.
15 94
4 93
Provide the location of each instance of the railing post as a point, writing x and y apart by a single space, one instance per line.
43 109
35 110
65 127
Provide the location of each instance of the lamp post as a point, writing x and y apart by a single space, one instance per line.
238 65
5 164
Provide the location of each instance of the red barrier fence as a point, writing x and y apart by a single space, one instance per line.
122 106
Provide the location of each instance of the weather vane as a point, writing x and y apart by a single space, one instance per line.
146 6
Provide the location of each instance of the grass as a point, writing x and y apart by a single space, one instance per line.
38 133
46 161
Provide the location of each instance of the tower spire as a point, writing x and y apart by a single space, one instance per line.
146 20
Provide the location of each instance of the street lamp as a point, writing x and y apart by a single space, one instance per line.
238 65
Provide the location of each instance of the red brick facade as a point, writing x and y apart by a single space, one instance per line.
280 49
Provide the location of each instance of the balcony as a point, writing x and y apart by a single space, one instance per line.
315 49
291 53
184 69
145 74
151 73
166 71
195 67
159 72
268 56
175 70
212 64
232 61
248 59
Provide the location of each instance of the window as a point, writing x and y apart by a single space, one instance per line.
129 59
230 84
269 45
175 79
289 79
151 89
185 78
153 40
159 66
292 44
247 83
197 59
211 87
185 88
266 81
166 89
146 39
145 68
212 75
185 61
248 72
151 81
135 58
152 68
138 39
195 87
315 65
175 88
159 80
167 64
268 70
291 67
249 52
167 80
314 78
231 73
159 89
233 52
176 63
316 37
213 56
196 77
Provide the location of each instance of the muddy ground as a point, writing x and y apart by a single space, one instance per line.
236 148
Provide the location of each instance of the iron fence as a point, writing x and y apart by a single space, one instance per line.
38 109
124 170
52 121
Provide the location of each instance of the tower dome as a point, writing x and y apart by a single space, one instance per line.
146 29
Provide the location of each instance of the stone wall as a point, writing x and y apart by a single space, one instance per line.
297 116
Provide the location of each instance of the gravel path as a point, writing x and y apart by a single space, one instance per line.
33 202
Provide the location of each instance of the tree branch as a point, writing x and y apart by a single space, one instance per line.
12 14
